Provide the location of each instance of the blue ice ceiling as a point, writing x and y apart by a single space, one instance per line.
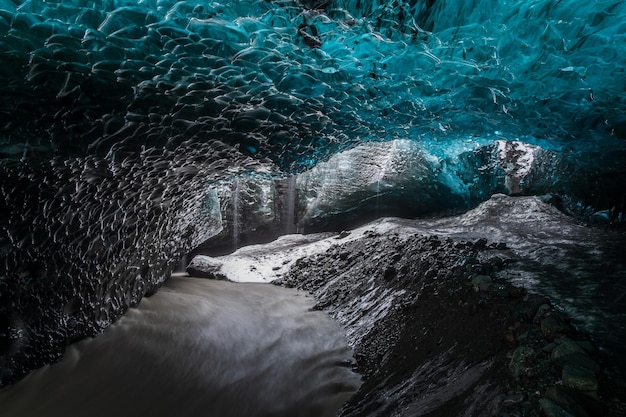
292 84
121 121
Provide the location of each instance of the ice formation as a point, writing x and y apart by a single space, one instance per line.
132 131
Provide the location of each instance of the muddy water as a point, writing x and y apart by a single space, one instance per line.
199 348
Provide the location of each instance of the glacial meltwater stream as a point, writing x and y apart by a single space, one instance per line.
199 347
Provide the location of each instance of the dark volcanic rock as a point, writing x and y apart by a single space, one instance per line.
436 333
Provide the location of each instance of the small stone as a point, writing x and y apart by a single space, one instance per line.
549 347
528 309
510 338
586 346
566 401
434 241
517 292
479 279
390 273
566 348
579 378
502 401
481 283
551 409
551 326
512 399
343 234
205 267
579 359
480 243
528 334
560 338
542 311
521 360
590 401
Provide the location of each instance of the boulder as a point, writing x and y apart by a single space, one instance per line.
579 378
521 360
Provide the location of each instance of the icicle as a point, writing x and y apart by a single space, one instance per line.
378 198
290 206
235 204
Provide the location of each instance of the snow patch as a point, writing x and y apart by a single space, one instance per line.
268 262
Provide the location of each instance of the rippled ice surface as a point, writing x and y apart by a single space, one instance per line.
199 347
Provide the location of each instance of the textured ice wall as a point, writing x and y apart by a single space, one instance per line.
118 118
550 69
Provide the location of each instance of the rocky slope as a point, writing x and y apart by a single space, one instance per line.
437 333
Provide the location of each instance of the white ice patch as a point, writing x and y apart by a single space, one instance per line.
267 262
520 153
516 159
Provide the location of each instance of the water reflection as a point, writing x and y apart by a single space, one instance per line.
200 347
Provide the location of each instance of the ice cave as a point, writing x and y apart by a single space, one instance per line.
313 208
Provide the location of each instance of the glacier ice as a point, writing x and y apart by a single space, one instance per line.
132 131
